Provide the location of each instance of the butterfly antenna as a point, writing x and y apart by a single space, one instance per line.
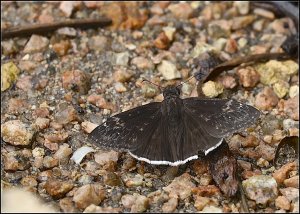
185 81
160 87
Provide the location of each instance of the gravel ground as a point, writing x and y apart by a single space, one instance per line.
56 88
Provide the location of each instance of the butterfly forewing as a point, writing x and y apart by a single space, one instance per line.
122 130
222 117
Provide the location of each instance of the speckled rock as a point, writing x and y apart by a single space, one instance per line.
66 114
181 10
281 88
265 151
142 63
292 194
62 47
25 83
242 6
76 80
294 91
282 202
170 205
273 71
266 99
9 74
88 127
120 87
103 157
291 107
212 89
57 188
42 123
67 205
122 58
16 106
260 188
16 160
135 181
96 209
98 43
162 41
135 202
9 47
49 162
201 202
206 191
17 133
180 186
88 194
292 182
149 90
122 75
242 21
100 102
227 81
63 153
211 209
281 174
248 76
36 44
112 179
168 70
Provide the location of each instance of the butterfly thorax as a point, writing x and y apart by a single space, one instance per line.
171 91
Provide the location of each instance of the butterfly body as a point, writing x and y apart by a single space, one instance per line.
173 131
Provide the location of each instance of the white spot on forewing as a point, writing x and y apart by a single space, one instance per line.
161 162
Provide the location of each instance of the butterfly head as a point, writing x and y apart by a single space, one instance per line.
171 91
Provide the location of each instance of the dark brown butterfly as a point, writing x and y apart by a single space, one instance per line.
173 131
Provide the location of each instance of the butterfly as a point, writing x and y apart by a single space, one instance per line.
174 131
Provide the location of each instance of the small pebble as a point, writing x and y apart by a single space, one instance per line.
181 186
76 80
103 157
242 22
294 91
292 194
122 58
88 194
49 162
168 70
142 63
9 74
248 76
56 188
266 99
260 188
121 75
16 160
212 89
292 182
42 123
63 153
201 202
170 205
36 44
281 174
291 107
120 87
181 10
97 209
281 88
17 133
282 202
162 41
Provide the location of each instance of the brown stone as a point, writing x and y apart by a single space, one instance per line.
56 188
